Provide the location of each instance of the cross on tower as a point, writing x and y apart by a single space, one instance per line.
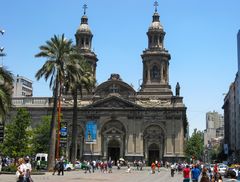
156 5
85 8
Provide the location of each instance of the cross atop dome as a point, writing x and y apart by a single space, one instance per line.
156 5
85 8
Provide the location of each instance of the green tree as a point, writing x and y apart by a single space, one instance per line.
41 136
17 135
6 85
195 146
59 52
83 80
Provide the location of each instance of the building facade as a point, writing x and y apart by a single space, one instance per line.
230 119
22 87
214 128
232 114
115 121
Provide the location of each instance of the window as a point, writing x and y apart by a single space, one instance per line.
82 41
87 41
114 89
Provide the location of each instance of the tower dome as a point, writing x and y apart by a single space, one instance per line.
84 27
155 25
84 42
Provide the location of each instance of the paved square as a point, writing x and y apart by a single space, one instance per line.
116 176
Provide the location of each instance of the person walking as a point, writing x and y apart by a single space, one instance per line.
195 173
21 170
232 176
109 166
173 169
153 166
27 176
61 167
204 177
55 167
158 166
186 174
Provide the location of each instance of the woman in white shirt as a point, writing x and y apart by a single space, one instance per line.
21 170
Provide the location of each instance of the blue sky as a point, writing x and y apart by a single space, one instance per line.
200 36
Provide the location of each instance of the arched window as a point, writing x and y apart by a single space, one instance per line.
150 39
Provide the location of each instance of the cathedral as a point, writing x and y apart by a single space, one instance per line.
115 121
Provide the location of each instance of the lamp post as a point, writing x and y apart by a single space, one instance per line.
59 121
2 54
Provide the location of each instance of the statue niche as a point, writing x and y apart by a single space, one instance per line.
155 73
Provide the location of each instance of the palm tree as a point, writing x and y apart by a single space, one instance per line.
6 86
83 81
56 51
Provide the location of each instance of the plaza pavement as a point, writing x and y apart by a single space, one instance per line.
116 176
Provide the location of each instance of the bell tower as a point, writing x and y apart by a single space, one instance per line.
155 61
84 41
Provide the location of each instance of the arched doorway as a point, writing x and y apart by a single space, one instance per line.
153 136
113 140
153 153
113 150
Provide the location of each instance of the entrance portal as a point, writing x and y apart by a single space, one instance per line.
153 153
113 150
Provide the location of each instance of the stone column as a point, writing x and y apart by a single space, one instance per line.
167 72
126 144
146 149
121 146
161 72
148 74
161 148
105 147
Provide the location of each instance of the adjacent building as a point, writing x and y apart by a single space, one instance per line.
232 114
22 87
214 132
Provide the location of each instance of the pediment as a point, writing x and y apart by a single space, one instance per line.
113 131
114 102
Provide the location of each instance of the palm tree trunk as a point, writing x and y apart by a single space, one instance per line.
52 148
74 128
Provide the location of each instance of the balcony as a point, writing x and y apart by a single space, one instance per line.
32 101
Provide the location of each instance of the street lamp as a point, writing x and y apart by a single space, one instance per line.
2 31
2 54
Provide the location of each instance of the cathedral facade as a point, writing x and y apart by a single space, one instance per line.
116 121
149 124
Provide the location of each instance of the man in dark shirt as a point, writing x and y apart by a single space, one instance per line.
61 167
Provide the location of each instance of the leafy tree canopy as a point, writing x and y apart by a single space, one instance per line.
195 145
17 135
41 136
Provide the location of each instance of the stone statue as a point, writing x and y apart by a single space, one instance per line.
89 136
177 89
